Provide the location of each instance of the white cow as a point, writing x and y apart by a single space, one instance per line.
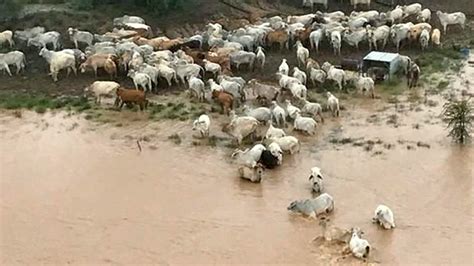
102 88
333 104
324 203
6 36
202 124
336 42
78 36
381 33
300 75
302 53
451 19
409 10
335 74
384 216
16 58
260 57
284 68
315 38
360 247
424 39
366 85
43 39
400 32
316 179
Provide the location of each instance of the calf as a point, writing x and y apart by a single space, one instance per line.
436 37
225 99
413 75
130 96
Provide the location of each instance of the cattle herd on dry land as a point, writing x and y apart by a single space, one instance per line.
215 53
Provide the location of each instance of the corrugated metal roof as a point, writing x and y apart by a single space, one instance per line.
381 56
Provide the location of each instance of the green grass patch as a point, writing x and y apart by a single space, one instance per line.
175 110
40 109
41 103
157 108
317 98
443 84
393 86
439 60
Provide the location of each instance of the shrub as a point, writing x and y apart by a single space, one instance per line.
458 116
9 8
82 4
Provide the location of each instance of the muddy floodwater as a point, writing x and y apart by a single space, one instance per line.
74 191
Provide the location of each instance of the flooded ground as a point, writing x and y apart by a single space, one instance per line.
74 191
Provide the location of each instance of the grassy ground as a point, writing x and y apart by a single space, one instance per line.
177 108
41 102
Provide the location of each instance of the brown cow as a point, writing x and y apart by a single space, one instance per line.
168 45
197 55
278 36
225 99
303 35
97 61
131 96
110 67
155 42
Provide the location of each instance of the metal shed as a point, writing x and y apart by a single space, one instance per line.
389 61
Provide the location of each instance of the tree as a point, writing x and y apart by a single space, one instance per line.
458 116
161 6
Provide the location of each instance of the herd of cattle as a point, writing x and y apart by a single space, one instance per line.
217 53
